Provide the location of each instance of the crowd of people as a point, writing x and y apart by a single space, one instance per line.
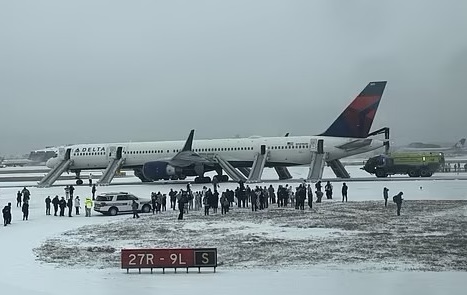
244 196
258 198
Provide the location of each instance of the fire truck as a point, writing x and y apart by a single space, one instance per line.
413 164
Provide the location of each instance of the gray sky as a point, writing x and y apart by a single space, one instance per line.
103 71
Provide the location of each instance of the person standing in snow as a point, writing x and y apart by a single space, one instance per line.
62 205
134 207
310 196
344 192
398 200
25 209
18 199
55 202
67 192
90 179
70 206
47 205
77 205
328 190
93 191
88 206
72 189
385 196
6 215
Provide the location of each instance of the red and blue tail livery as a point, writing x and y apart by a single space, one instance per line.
355 121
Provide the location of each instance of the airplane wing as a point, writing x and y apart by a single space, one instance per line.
187 156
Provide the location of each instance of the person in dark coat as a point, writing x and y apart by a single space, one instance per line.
25 209
344 192
153 202
328 190
385 196
318 185
181 204
134 207
310 196
173 198
398 200
6 215
70 206
72 189
55 202
319 196
62 205
26 194
206 204
47 205
18 199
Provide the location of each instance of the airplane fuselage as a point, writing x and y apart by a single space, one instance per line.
240 152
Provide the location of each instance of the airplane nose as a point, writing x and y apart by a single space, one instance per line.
51 162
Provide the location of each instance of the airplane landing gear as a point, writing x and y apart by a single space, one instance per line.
79 181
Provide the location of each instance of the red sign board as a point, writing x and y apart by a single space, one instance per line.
168 258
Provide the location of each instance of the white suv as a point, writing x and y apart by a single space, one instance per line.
119 202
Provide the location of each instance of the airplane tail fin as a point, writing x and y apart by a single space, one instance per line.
355 121
459 144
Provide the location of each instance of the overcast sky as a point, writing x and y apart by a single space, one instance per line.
106 71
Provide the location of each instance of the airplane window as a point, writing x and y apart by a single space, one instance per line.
168 151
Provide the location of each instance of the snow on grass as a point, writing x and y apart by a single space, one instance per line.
429 235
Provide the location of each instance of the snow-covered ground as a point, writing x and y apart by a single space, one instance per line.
333 249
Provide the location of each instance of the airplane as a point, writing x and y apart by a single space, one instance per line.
457 148
16 162
164 160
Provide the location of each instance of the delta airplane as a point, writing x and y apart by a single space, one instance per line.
151 161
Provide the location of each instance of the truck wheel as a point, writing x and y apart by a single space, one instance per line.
380 173
424 173
414 173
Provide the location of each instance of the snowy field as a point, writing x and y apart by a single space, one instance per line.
358 247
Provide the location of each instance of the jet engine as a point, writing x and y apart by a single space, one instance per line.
160 170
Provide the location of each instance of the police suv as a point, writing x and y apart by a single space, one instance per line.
119 202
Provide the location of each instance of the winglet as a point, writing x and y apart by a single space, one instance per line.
356 120
189 141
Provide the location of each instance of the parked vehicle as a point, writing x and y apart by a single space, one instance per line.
412 164
119 202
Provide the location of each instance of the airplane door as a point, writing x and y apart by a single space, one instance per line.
61 153
67 154
112 152
119 152
313 145
263 149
